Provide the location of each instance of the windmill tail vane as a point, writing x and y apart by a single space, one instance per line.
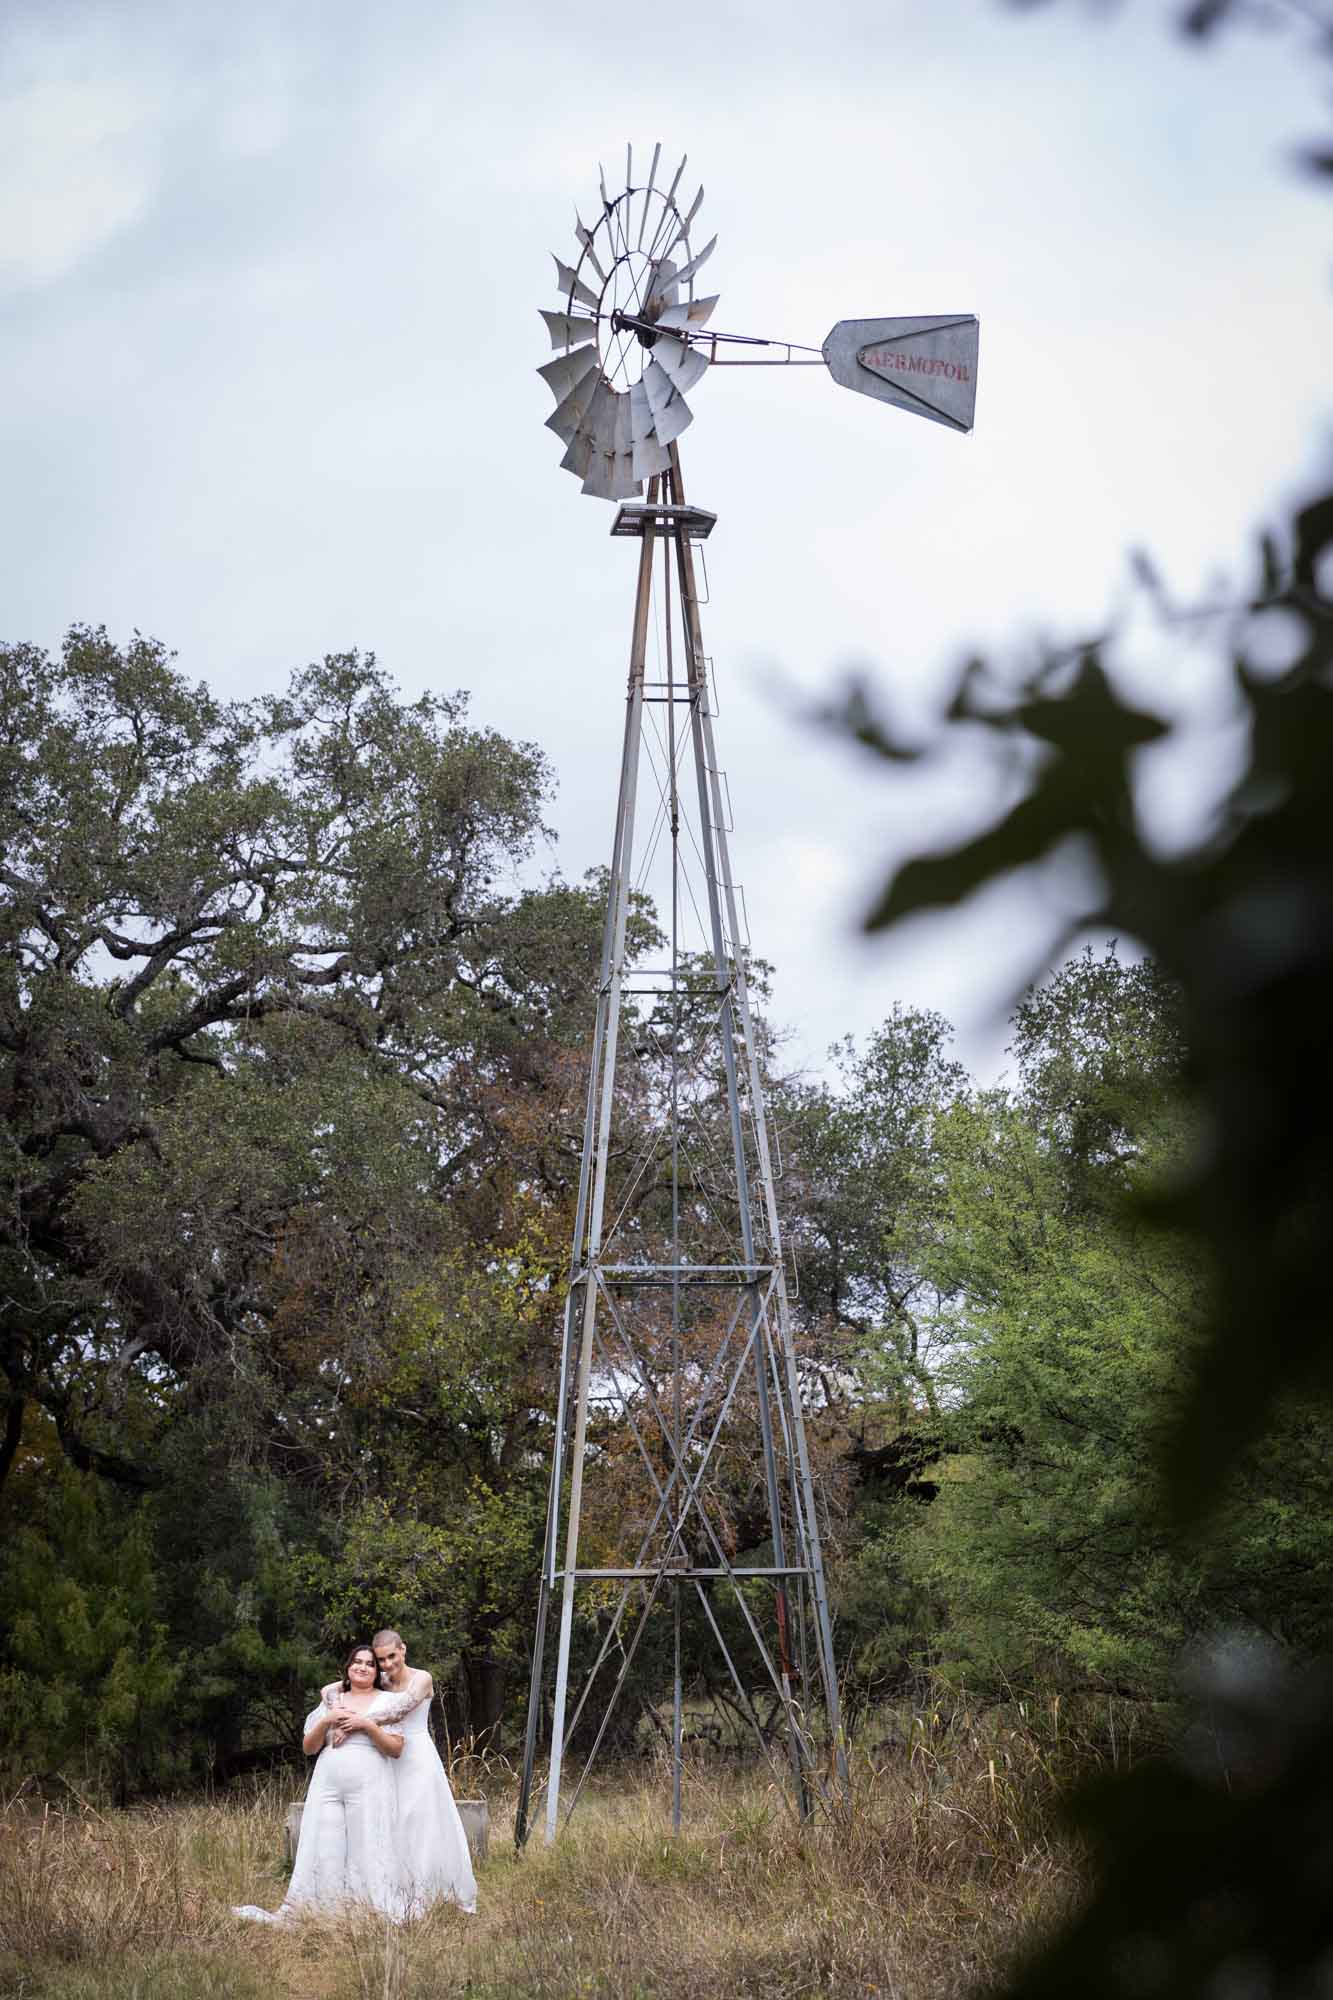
678 1332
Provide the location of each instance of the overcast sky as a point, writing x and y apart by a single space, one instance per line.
271 277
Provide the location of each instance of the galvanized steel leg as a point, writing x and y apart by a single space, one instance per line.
714 852
603 1094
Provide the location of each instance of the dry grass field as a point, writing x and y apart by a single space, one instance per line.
945 1865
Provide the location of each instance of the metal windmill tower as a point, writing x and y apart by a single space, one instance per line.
677 1328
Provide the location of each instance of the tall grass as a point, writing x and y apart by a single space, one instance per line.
90 1901
946 1860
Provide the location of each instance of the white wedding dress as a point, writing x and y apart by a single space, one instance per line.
347 1853
432 1851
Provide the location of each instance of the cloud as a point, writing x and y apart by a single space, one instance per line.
79 163
281 268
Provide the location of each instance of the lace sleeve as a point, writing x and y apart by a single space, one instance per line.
328 1695
401 1701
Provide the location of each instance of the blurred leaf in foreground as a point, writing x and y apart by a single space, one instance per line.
1214 1868
1243 923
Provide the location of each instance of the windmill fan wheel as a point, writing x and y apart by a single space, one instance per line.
624 335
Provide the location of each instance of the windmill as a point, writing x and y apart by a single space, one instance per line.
678 1340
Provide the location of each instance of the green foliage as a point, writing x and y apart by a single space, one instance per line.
284 1075
89 1678
1068 1330
1213 1867
1239 925
861 1199
1062 1325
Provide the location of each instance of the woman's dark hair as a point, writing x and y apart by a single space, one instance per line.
364 1647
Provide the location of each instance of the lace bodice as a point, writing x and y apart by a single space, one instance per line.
394 1706
355 1739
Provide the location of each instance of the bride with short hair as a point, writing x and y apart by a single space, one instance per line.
433 1859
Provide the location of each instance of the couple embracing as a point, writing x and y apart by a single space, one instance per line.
380 1827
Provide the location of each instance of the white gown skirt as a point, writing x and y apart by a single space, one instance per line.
347 1853
433 1859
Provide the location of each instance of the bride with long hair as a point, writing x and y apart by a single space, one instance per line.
347 1852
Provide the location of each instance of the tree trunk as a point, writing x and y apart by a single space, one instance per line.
485 1695
13 1432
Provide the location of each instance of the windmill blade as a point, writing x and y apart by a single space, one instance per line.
682 234
697 312
696 264
624 479
579 456
600 423
647 193
585 238
561 374
572 286
649 458
567 418
640 413
671 413
597 481
663 284
594 415
601 428
671 191
685 365
566 331
648 455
